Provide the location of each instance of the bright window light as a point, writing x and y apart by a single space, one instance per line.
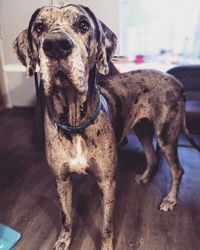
159 28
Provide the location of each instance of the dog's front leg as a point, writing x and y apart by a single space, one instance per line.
64 189
107 187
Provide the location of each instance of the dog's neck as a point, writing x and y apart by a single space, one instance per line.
67 107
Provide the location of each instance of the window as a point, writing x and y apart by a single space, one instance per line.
168 31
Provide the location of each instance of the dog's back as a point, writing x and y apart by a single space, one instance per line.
138 94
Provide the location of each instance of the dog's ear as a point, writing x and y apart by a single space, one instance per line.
24 55
106 48
110 41
107 43
23 47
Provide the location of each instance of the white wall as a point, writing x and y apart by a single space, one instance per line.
15 16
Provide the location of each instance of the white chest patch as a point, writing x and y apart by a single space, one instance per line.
78 163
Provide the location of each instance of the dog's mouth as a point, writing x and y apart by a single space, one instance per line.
60 74
64 79
61 78
70 73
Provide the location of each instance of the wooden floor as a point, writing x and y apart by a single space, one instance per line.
28 200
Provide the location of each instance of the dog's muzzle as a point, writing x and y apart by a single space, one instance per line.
57 45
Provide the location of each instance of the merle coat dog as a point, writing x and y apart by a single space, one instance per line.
84 122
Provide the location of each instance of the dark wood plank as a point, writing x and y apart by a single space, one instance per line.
28 199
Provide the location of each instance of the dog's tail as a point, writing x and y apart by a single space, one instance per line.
188 135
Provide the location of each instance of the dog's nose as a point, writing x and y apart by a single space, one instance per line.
57 45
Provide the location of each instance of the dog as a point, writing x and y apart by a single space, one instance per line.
85 122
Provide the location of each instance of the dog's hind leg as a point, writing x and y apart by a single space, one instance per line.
144 132
171 155
64 189
168 145
107 187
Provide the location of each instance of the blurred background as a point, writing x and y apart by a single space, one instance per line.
156 30
159 33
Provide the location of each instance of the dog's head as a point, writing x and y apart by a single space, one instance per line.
66 43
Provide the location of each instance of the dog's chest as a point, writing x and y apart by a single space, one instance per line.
77 161
68 156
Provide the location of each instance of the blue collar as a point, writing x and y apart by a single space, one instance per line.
79 128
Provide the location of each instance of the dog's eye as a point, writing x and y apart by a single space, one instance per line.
39 27
83 25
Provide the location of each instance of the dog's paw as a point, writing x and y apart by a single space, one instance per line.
141 178
168 204
107 246
107 242
61 244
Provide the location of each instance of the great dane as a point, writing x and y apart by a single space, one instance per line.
85 122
